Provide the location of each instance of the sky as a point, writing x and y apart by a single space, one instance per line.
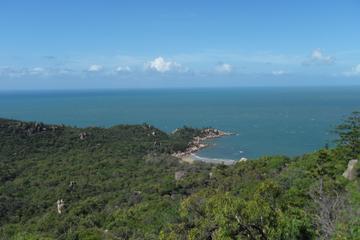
178 44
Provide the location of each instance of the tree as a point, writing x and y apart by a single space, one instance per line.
329 208
349 134
226 216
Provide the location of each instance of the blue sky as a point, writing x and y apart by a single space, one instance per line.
131 44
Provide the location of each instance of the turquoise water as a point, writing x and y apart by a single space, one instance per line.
267 121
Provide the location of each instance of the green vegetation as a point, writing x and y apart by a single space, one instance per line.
119 183
349 133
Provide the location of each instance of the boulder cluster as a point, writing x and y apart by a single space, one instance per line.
34 128
83 135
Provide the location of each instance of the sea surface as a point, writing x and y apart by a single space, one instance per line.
267 121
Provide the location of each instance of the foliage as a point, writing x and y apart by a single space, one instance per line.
118 183
349 134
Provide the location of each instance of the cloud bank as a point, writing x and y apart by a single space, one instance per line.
235 65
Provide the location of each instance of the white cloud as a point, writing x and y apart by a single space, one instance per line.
355 71
159 64
15 72
123 69
318 57
95 68
23 71
223 68
278 72
37 70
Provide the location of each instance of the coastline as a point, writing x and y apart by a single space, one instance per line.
198 143
224 161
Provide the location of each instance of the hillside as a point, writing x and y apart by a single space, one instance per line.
62 182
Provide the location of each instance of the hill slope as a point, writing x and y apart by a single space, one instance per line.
122 183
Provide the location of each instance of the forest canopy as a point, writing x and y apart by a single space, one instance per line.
61 182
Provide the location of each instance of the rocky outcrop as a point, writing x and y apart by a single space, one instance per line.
209 133
60 206
29 128
351 171
72 186
179 175
83 135
197 142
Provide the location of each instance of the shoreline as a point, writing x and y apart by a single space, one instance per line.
193 157
198 143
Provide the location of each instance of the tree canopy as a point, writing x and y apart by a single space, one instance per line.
119 183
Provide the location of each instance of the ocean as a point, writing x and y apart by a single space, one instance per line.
266 120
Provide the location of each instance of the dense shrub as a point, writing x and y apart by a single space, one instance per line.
119 183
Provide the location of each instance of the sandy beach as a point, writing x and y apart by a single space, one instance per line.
198 143
191 158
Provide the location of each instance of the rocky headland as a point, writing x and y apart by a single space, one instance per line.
199 142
